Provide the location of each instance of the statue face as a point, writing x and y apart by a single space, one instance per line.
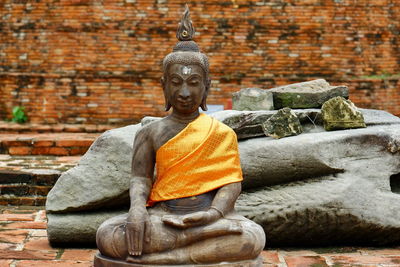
184 87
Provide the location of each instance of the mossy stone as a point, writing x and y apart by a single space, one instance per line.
282 124
339 114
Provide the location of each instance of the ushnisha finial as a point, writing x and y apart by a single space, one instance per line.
185 30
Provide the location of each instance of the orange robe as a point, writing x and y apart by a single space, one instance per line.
202 157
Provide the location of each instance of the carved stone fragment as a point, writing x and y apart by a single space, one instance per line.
339 113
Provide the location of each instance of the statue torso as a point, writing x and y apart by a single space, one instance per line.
161 132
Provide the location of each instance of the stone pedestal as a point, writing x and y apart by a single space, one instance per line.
102 261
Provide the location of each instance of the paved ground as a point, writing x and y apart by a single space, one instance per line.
23 237
23 243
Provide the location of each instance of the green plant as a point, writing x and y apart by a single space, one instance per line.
19 115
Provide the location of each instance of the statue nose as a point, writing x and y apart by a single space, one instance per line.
184 93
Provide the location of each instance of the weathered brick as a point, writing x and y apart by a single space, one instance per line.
43 143
305 261
20 150
13 236
57 263
79 254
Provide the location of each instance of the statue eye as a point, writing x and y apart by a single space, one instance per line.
175 81
194 82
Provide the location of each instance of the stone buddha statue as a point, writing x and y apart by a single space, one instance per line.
185 214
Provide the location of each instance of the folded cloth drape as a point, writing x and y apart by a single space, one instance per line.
202 157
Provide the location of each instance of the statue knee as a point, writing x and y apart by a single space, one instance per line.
110 240
253 239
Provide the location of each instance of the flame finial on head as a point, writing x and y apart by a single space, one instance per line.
185 30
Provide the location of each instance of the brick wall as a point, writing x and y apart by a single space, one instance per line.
92 61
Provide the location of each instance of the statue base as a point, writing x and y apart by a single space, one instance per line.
102 261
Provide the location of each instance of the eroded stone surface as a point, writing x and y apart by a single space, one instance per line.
102 174
339 113
311 94
282 124
357 205
252 99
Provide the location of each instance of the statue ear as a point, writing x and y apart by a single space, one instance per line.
203 104
166 96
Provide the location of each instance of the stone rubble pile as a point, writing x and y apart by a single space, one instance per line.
338 113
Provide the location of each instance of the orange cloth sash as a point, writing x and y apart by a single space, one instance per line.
202 157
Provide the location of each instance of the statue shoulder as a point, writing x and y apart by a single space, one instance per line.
151 132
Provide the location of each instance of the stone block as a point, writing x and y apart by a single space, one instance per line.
311 94
252 99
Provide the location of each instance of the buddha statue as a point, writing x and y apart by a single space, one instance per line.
185 214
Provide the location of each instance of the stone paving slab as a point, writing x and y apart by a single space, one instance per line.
23 243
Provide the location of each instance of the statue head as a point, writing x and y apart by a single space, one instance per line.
185 71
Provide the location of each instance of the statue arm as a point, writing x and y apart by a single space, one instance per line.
138 221
143 160
224 200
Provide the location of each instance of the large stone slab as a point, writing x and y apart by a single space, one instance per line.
252 99
311 94
311 189
77 227
100 178
356 206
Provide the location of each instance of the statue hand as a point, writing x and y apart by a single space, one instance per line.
192 219
137 231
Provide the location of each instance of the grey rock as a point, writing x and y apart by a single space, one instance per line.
339 114
282 124
101 175
252 99
358 205
311 94
78 227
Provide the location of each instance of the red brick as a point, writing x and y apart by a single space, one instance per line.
56 151
305 261
74 143
58 263
270 257
79 254
27 254
78 151
43 143
16 217
15 143
19 150
24 225
13 236
38 243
